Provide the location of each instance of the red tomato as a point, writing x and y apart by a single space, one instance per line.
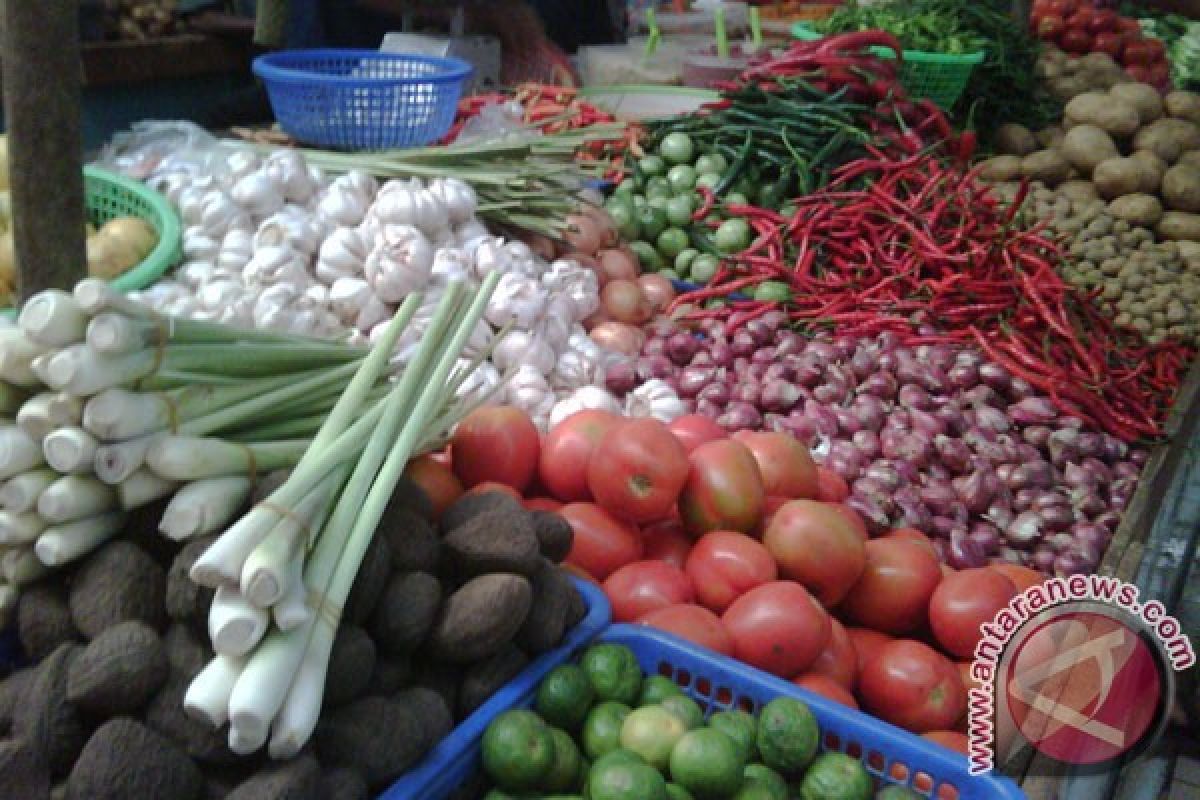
1062 8
838 661
1140 53
816 545
831 487
1102 21
1074 39
563 465
1049 27
1130 27
912 685
964 674
771 505
854 518
1111 43
724 489
693 623
1080 18
1159 74
437 480
1022 577
778 627
786 465
542 504
666 541
495 443
693 430
914 535
602 544
641 587
638 471
962 603
952 740
724 565
1139 73
826 687
893 593
492 486
867 644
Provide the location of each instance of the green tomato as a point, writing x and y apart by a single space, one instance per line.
704 267
669 274
707 180
679 210
659 201
682 178
639 202
733 236
625 218
652 165
647 256
683 261
626 187
653 221
736 199
677 148
772 292
711 164
671 243
659 185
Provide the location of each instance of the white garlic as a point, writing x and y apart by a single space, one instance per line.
342 254
258 193
654 398
348 295
517 299
457 198
400 263
582 399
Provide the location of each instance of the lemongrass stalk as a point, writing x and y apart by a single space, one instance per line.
296 720
70 450
39 365
263 685
94 296
9 595
207 696
65 409
17 353
235 625
116 462
74 497
62 544
292 610
21 492
203 507
21 528
19 452
21 566
111 333
142 488
11 398
193 458
243 742
166 380
300 427
53 318
34 416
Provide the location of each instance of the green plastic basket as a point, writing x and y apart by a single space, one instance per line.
108 195
938 76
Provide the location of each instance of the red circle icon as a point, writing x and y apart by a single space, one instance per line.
1084 688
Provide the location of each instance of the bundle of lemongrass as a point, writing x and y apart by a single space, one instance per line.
282 572
113 406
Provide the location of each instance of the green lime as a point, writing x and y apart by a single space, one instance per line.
659 201
772 292
711 164
623 217
707 763
619 755
739 726
652 165
671 243
836 776
658 186
736 199
602 729
647 256
768 778
564 697
685 708
707 180
683 262
655 688
753 791
651 732
669 274
677 792
677 148
897 793
682 178
625 781
496 794
518 750
639 202
733 236
679 210
626 187
653 221
787 736
564 775
614 672
703 268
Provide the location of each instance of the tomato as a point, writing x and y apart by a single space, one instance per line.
786 465
693 623
962 603
724 489
641 587
1111 43
566 450
1080 18
817 546
854 518
602 544
771 505
1062 8
693 430
826 687
1159 74
952 740
778 627
492 486
638 471
831 487
1103 21
1130 27
838 661
964 674
914 535
1075 40
893 593
867 644
1022 577
724 565
912 685
1049 28
666 541
1140 53
1139 73
437 480
496 443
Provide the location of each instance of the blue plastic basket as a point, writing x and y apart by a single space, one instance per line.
362 99
453 762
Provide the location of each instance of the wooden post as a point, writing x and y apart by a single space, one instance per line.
43 106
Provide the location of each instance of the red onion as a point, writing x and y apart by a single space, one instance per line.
880 384
654 366
1019 389
708 408
1025 529
912 512
940 498
1087 501
1090 444
942 526
987 536
801 427
681 348
992 419
1043 560
778 371
808 372
1034 473
822 418
863 363
1057 518
913 396
1092 535
845 346
761 332
742 345
876 521
720 353
691 380
953 453
1108 519
1063 445
740 416
924 422
702 359
654 347
1139 457
909 472
866 441
1033 411
764 356
822 351
973 491
789 343
980 396
1114 449
845 459
747 392
1126 469
829 393
995 376
999 515
898 421
1036 435
848 422
884 474
952 416
716 392
887 360
938 472
870 411
888 340
962 376
933 379
779 396
1074 562
965 552
1075 423
1027 452
753 373
1023 498
621 377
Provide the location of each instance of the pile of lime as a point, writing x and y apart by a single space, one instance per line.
602 730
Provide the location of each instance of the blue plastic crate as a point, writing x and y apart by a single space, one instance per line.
456 759
362 99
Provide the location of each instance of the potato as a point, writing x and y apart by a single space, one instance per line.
1183 105
1047 166
1179 225
1050 137
1143 97
1000 169
1111 114
1137 209
1078 191
1086 146
1181 188
1015 140
1191 158
1067 87
1153 168
1168 138
1116 177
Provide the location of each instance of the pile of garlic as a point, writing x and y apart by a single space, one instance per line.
272 243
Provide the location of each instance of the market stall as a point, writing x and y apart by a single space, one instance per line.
659 441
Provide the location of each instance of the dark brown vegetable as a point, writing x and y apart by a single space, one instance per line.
392 673
299 779
480 617
118 583
44 620
469 505
498 541
45 719
199 740
187 653
481 680
124 759
119 671
543 627
372 576
351 662
343 783
406 612
377 736
554 535
188 601
438 676
12 691
412 540
431 707
24 774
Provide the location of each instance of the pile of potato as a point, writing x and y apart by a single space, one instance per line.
139 20
1066 76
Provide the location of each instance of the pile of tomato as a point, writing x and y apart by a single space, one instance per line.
742 545
1079 28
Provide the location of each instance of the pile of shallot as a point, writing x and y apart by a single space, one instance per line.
932 437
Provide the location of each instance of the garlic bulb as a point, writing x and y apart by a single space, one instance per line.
347 296
574 370
481 336
195 273
480 383
406 203
400 263
554 330
517 299
288 168
470 230
654 398
221 292
190 203
345 201
450 264
275 265
527 390
258 193
236 250
291 227
582 399
456 197
373 312
342 254
219 214
520 348
491 256
240 163
578 284
199 246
